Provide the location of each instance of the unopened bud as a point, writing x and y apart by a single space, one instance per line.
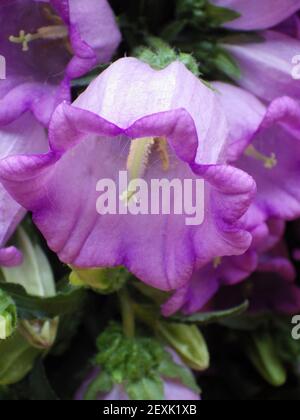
104 280
39 333
262 352
188 342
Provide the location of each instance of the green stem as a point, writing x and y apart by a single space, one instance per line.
127 313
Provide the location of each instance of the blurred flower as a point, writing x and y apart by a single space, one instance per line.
99 136
265 142
227 271
272 288
267 65
258 14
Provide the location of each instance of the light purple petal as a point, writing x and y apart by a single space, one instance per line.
267 66
258 14
23 136
245 114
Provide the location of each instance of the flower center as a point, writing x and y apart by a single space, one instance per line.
269 162
138 159
50 33
217 262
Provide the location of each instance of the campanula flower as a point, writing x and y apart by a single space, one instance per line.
45 45
153 125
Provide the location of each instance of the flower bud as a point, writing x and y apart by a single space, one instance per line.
188 342
40 334
35 275
104 281
262 352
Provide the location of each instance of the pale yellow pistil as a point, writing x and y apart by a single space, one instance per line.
138 159
269 161
50 33
217 262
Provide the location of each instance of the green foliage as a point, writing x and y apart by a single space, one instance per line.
67 299
203 318
17 359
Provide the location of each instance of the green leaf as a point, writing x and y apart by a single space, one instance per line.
67 300
246 322
211 317
101 384
148 388
17 359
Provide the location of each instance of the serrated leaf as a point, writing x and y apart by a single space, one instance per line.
148 388
67 300
203 318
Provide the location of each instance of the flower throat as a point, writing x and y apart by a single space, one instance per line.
139 155
53 32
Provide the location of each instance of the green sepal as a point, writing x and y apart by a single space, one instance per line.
101 384
147 388
158 54
220 15
169 369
